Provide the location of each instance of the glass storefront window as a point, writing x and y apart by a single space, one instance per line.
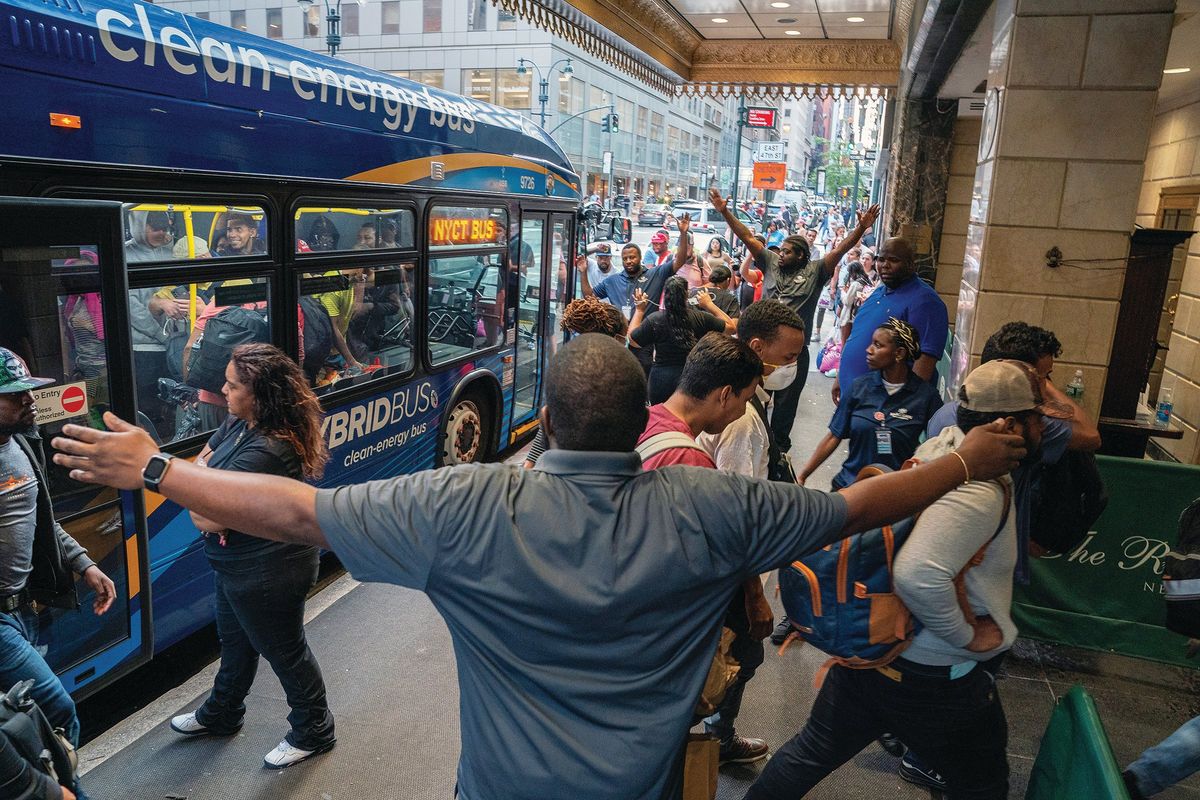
515 91
481 85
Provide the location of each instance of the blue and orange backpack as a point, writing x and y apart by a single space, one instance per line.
842 599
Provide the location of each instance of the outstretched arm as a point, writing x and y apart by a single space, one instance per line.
986 453
821 454
865 220
741 231
284 510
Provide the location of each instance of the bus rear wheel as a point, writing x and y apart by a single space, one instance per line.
464 437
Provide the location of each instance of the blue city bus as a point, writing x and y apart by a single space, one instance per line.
160 173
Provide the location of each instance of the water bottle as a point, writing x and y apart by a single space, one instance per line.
1075 387
1163 415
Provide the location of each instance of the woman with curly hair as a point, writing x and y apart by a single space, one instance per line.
274 426
673 332
884 412
586 315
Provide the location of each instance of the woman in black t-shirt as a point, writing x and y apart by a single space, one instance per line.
274 427
673 332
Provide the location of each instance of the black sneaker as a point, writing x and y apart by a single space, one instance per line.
782 629
1131 786
743 750
913 771
891 743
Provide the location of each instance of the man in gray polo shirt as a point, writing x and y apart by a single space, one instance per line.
584 597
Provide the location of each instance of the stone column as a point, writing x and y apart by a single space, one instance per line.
1071 95
916 197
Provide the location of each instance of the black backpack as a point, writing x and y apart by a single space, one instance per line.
229 328
26 728
1068 499
318 336
1181 575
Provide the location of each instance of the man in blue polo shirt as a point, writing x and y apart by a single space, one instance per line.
904 296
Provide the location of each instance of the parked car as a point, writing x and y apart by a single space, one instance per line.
652 214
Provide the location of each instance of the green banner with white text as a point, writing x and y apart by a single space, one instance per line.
1107 594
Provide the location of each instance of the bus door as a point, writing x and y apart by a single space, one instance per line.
542 277
61 282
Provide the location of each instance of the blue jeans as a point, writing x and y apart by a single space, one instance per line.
1169 761
260 610
20 661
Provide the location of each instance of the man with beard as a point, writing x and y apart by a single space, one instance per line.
793 278
619 287
906 297
27 526
940 695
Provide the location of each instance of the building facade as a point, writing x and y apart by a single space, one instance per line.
663 146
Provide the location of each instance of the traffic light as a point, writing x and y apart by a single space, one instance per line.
606 123
615 124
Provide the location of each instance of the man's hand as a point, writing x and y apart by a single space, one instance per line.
67 793
115 457
718 202
835 391
581 262
99 583
758 613
684 223
988 636
988 452
640 299
867 218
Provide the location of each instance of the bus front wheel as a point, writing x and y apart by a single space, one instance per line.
464 436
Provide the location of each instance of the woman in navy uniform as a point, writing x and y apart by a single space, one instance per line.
885 411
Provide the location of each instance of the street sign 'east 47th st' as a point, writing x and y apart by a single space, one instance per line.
770 151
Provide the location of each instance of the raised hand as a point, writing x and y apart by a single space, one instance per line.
684 223
640 299
988 452
718 202
867 218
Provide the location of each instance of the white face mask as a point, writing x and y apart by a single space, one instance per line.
780 378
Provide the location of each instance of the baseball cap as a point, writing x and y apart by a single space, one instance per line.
14 375
1007 386
658 238
199 247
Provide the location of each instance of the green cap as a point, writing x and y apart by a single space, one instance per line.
14 375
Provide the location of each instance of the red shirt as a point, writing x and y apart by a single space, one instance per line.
661 421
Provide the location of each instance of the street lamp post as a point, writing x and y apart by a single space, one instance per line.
523 65
333 21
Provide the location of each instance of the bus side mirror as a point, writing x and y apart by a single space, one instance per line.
621 230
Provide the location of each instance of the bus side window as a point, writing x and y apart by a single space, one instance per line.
356 324
178 374
465 305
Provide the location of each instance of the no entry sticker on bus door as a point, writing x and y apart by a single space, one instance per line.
61 402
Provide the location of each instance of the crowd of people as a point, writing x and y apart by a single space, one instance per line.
658 494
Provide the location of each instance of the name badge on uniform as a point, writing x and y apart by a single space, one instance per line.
883 441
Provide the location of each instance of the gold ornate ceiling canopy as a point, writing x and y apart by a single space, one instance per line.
650 41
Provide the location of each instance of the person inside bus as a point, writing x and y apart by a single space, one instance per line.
387 233
273 427
323 235
212 406
241 235
150 237
366 237
589 691
343 305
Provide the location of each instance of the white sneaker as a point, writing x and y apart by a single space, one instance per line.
188 725
284 755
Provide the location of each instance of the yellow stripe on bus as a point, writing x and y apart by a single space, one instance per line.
421 168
